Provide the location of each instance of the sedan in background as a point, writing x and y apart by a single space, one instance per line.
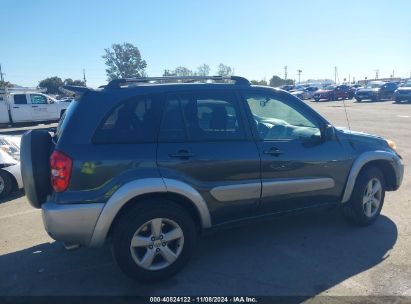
376 91
304 92
333 92
403 93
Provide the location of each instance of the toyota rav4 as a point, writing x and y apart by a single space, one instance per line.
148 164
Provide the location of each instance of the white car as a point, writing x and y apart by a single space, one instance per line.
10 175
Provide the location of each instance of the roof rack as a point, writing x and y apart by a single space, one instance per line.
22 90
118 83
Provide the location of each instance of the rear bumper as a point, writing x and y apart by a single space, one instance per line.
72 223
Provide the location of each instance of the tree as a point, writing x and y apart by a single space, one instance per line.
259 82
179 71
203 70
277 81
72 82
52 84
224 70
5 84
124 60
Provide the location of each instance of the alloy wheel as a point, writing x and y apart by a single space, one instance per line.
372 197
157 244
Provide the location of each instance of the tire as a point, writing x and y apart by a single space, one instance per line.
355 211
138 221
316 99
331 98
6 184
358 99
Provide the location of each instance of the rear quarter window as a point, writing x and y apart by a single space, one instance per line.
65 118
135 120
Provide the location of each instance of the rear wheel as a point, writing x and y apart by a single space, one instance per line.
6 184
316 99
154 240
367 198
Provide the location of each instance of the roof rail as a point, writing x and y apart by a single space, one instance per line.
118 83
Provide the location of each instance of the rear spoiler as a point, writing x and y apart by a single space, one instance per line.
71 90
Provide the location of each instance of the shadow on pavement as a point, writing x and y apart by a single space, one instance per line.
12 196
299 255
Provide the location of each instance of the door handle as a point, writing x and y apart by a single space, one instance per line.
273 151
34 106
16 107
183 154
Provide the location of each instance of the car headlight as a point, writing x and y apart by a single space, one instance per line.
391 144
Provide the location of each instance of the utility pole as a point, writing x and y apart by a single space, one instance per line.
335 75
376 74
84 77
393 75
299 75
285 72
1 75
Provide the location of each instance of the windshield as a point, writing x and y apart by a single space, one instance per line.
329 87
406 84
373 85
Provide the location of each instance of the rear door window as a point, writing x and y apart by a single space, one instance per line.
135 120
38 99
20 99
202 117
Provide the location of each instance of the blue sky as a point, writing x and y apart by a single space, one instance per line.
257 38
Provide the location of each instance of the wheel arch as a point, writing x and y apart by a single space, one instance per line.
136 191
387 162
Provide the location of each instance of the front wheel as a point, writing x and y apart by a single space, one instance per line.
367 198
6 184
154 240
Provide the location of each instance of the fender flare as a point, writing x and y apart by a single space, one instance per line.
145 186
364 159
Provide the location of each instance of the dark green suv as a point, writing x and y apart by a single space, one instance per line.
150 163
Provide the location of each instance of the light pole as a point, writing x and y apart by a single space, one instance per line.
299 75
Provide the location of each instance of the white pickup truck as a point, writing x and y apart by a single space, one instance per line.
28 105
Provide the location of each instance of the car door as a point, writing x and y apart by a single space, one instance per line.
43 108
205 143
20 108
299 168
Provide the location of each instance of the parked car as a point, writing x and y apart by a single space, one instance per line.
10 176
287 87
403 93
152 166
11 145
304 92
333 92
376 91
28 105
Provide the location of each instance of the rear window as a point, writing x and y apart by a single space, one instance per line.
135 120
65 118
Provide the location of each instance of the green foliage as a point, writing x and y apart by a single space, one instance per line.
5 84
259 82
224 70
277 81
72 82
124 60
52 84
203 70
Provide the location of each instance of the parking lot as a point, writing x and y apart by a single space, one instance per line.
307 255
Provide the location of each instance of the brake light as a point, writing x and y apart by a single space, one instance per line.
60 165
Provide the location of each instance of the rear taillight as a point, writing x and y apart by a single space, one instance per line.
60 165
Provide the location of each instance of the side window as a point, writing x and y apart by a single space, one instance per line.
20 99
38 99
135 120
276 119
202 117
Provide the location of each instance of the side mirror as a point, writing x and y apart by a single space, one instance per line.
327 132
